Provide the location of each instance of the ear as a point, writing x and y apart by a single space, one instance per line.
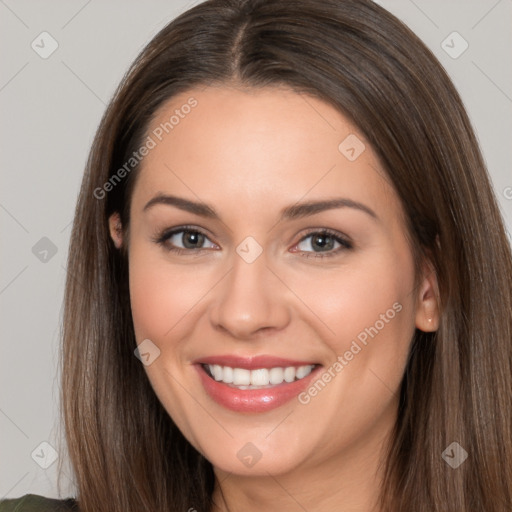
427 300
116 229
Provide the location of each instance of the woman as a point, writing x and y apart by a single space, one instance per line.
289 281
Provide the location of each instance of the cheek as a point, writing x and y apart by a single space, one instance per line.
366 313
367 303
152 304
161 294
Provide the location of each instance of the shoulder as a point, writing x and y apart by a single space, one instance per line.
34 503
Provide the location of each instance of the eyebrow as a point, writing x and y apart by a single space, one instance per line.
292 212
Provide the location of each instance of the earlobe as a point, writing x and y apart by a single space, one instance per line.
427 311
116 229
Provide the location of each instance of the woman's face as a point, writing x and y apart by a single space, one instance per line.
254 282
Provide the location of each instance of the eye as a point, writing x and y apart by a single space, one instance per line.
323 241
184 239
189 239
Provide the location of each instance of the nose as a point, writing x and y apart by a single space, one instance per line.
251 299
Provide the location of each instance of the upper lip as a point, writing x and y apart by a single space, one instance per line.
252 362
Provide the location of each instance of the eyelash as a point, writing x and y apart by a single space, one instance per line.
163 237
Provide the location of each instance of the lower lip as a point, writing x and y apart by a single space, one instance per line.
253 400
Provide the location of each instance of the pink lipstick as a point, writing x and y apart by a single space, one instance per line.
254 384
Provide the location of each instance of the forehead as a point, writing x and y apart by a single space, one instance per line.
261 147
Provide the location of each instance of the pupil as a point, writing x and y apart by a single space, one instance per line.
320 241
192 239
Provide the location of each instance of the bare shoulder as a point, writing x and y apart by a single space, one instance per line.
35 503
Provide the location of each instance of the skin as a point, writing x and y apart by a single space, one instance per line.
249 153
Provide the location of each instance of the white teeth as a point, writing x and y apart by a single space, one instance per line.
262 377
289 374
241 377
276 376
302 371
227 375
217 372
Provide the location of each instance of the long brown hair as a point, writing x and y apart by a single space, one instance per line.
125 450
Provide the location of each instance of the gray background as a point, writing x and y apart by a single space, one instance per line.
50 109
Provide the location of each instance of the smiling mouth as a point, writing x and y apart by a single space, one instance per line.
260 378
